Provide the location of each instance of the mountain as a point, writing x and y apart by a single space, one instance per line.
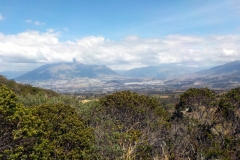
60 71
12 74
163 71
78 77
228 68
222 76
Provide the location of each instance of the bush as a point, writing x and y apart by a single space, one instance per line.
67 134
137 119
45 132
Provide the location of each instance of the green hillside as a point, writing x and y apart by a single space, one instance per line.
123 125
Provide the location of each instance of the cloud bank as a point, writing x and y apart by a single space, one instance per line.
30 49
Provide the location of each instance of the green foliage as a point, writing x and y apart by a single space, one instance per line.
66 134
132 109
229 104
17 126
40 98
144 151
7 101
46 132
194 98
210 122
229 123
123 125
137 119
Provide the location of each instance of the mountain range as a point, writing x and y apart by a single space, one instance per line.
165 71
78 76
162 71
228 68
66 71
222 76
224 73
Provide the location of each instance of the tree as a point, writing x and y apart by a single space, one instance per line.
192 123
17 126
229 123
46 131
66 134
139 120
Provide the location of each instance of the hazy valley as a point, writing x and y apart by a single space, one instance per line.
76 77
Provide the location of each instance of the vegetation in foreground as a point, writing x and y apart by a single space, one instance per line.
123 125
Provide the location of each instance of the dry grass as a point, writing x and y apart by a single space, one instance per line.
164 96
85 101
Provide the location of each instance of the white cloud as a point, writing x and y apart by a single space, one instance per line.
37 23
1 17
229 52
32 48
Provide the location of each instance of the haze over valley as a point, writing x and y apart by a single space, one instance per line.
75 77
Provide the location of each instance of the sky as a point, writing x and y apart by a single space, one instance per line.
121 34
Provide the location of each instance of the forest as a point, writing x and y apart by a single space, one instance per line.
37 123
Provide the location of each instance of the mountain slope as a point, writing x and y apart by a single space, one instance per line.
228 73
222 76
228 68
66 71
162 71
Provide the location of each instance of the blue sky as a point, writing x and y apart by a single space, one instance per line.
122 34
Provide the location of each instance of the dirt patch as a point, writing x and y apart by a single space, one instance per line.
85 101
164 96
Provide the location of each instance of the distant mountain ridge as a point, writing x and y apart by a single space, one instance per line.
222 76
228 68
75 76
69 70
66 71
162 71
